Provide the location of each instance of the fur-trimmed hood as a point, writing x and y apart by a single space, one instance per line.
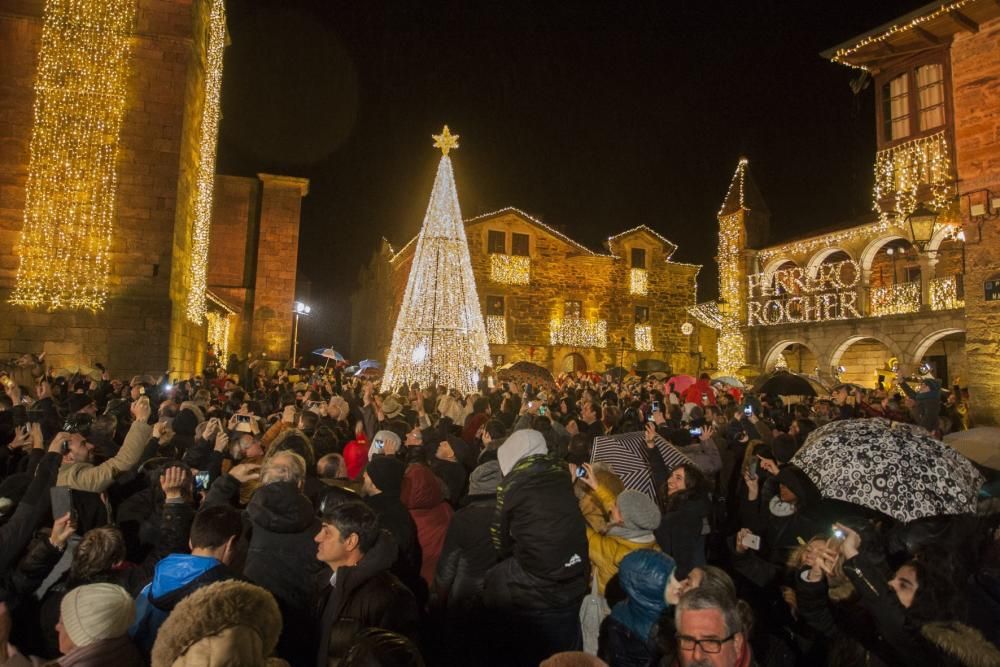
963 643
226 623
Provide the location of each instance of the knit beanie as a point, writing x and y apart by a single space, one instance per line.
387 473
96 611
638 510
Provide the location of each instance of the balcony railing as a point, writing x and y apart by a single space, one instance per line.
946 293
895 299
578 332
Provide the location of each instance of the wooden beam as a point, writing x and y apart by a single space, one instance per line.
963 21
928 36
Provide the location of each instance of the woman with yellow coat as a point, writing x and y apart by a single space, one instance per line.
634 515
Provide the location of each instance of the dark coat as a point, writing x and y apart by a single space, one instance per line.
538 522
366 595
680 533
467 554
31 511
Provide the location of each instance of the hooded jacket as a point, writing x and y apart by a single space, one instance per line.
606 550
226 623
538 522
366 595
423 497
176 577
625 634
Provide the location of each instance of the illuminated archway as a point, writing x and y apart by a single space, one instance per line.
806 361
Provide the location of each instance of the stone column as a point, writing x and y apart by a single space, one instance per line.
928 265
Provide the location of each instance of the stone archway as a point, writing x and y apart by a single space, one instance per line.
867 256
806 364
822 255
862 356
573 362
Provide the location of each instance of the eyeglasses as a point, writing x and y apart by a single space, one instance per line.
706 645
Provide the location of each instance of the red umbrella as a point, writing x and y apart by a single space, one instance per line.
681 383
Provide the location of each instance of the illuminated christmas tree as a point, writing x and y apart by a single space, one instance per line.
439 336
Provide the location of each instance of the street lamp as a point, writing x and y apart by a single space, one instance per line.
922 222
298 309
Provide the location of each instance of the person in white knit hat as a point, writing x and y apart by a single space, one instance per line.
93 627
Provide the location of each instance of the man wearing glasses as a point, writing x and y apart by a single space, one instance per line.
710 630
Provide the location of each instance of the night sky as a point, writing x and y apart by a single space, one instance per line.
593 117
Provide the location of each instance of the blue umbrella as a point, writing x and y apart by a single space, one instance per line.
370 363
329 353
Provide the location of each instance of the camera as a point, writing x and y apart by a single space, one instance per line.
242 419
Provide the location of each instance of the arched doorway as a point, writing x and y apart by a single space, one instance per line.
944 353
863 360
574 362
793 355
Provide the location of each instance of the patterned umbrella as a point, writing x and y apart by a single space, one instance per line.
626 455
894 468
329 353
525 371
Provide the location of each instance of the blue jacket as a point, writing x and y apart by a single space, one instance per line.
176 577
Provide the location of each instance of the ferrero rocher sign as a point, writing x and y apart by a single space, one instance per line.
797 295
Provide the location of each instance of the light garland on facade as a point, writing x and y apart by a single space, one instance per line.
205 178
900 171
80 92
496 329
731 341
841 55
669 245
578 332
218 333
944 294
440 336
510 269
639 282
643 337
707 313
895 299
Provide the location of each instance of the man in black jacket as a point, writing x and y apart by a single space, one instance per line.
360 592
538 531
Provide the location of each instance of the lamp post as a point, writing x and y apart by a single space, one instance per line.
621 356
922 222
298 309
892 255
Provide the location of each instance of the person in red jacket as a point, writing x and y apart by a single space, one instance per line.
356 452
423 496
701 392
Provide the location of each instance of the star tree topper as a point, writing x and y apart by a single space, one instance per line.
445 141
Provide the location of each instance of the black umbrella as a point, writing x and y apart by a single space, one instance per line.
616 372
652 365
783 383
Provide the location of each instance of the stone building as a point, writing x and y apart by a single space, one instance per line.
890 289
168 127
549 299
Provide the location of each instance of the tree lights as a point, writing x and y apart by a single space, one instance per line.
205 178
80 90
440 337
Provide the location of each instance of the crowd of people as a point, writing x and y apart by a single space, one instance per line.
315 519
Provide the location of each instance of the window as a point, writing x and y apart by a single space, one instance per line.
896 108
495 305
991 289
638 258
498 360
641 314
572 310
497 242
912 274
930 95
519 244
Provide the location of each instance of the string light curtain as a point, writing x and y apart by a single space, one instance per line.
900 171
218 333
440 337
205 179
80 89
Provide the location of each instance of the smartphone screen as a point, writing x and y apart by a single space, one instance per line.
695 432
656 406
581 471
748 410
201 480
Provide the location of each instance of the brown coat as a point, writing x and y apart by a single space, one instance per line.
226 623
88 477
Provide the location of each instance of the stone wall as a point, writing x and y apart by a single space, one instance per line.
277 254
975 62
132 333
560 271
